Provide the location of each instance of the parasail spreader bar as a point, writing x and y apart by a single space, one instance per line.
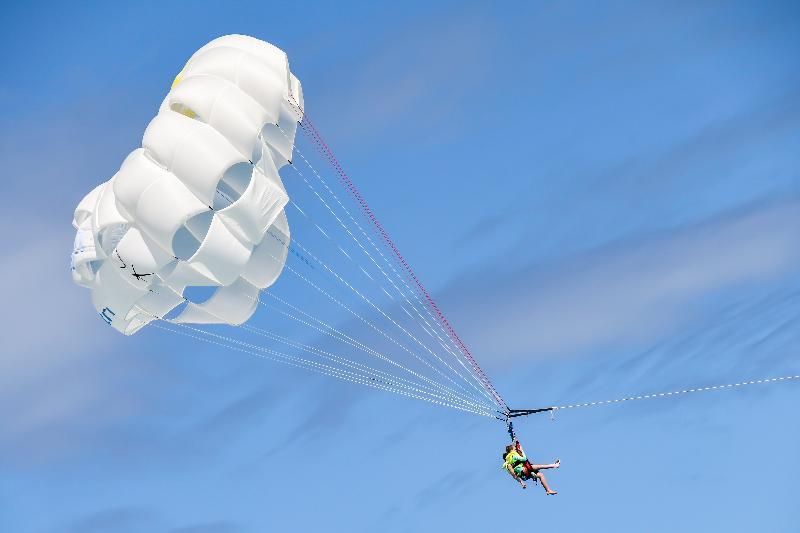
512 413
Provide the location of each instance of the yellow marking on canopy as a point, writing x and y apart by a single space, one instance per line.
178 79
186 111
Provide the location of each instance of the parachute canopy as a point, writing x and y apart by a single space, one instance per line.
201 203
199 208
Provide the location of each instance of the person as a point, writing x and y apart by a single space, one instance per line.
516 463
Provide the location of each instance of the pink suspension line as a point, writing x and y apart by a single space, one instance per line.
324 149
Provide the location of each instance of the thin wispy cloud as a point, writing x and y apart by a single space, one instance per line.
124 519
210 527
629 292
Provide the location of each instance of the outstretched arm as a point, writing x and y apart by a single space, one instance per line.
514 475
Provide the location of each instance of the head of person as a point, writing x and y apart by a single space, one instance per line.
509 448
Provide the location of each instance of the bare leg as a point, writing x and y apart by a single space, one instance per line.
544 483
545 467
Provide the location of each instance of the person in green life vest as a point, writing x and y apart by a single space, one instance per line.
516 463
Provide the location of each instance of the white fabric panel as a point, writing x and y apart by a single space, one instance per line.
280 137
136 323
136 174
222 256
164 207
220 61
106 213
282 224
233 305
83 252
141 257
251 215
195 152
85 248
268 258
185 275
164 134
158 302
266 52
266 164
238 117
113 296
260 80
224 106
109 237
296 95
83 213
278 141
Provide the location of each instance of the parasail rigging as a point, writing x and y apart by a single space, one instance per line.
235 204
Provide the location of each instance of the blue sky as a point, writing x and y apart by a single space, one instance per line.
603 199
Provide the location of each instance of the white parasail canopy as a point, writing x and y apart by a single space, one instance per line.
201 203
